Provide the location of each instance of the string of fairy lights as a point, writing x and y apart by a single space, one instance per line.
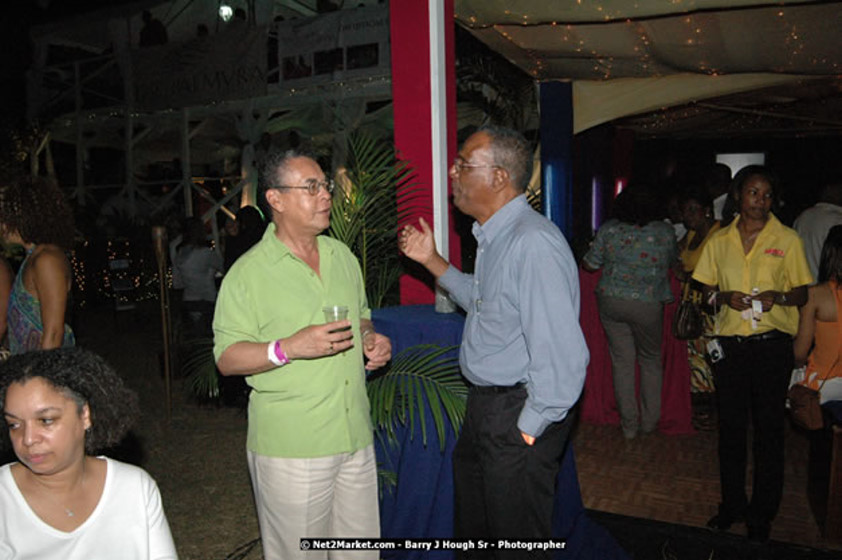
801 39
97 284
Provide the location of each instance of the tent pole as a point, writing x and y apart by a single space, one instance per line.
556 104
186 176
129 137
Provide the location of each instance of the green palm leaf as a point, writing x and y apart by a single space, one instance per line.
200 369
418 377
365 213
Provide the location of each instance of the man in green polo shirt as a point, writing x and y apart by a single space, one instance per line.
309 446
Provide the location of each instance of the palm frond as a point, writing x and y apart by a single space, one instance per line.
199 368
378 193
387 480
420 377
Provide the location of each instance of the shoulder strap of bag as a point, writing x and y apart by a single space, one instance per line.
685 290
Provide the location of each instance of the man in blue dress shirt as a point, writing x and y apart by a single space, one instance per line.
523 350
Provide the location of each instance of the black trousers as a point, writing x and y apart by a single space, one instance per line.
504 488
751 382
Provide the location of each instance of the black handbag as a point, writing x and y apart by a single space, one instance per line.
688 322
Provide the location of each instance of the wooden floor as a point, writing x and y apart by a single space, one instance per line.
675 479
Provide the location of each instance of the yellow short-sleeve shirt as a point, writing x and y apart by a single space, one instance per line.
776 262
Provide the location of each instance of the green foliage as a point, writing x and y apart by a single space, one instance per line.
491 89
200 369
387 480
365 212
418 377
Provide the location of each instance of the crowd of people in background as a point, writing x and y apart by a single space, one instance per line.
749 274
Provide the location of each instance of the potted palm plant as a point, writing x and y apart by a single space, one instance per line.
376 192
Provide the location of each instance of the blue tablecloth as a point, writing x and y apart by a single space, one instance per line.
422 504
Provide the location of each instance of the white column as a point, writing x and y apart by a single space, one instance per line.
438 131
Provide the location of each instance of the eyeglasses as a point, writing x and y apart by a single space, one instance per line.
459 164
312 186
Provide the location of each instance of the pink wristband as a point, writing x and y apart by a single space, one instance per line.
276 354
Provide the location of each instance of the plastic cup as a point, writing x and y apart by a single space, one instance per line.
336 313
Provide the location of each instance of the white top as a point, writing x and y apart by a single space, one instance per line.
195 270
812 225
128 523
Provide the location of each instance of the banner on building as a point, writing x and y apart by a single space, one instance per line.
225 66
341 44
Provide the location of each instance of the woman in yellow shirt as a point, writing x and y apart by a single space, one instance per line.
697 214
755 275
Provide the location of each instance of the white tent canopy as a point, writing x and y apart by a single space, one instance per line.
626 58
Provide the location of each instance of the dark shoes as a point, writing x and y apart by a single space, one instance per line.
758 533
722 521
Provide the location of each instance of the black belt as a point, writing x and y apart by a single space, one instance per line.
762 337
498 389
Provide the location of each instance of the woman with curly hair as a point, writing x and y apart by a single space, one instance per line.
33 214
60 501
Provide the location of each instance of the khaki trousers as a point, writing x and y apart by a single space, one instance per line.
323 497
634 329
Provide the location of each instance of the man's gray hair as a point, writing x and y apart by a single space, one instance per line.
272 171
511 151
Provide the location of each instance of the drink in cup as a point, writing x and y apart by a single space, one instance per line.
336 313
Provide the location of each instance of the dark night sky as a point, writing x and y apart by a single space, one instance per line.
15 48
14 56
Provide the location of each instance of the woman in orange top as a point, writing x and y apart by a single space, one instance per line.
819 322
